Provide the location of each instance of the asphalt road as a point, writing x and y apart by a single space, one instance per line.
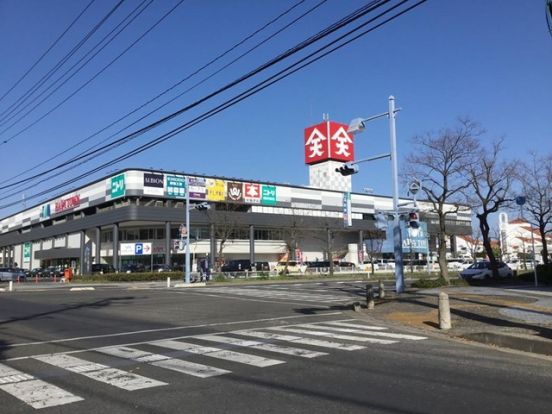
288 348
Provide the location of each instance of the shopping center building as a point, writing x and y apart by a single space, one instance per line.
138 216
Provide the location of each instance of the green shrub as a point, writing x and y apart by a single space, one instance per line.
427 283
544 275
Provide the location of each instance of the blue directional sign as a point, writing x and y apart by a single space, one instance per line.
139 249
413 240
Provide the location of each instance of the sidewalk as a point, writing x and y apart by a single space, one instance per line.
511 317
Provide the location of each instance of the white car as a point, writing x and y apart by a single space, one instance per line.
482 270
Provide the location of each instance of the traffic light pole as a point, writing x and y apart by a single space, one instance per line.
187 254
397 236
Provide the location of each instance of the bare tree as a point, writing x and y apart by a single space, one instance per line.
491 182
291 236
374 246
536 181
226 224
439 160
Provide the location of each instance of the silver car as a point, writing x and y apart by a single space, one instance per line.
12 274
482 270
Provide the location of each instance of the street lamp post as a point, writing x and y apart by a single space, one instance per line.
358 125
187 248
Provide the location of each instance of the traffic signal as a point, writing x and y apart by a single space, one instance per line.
347 169
413 220
203 206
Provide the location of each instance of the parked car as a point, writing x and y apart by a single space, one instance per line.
133 268
102 268
290 267
12 274
236 265
162 268
347 266
53 271
482 270
37 271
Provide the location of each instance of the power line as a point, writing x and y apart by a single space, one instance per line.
59 64
133 15
212 61
244 95
98 73
47 51
326 32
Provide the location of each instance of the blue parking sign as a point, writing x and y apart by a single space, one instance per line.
138 249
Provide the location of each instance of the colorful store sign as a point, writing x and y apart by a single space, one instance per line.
154 184
252 193
328 141
118 187
197 188
176 186
268 195
234 191
216 190
67 203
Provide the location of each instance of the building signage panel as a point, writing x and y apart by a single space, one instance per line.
328 141
197 188
45 212
347 214
27 252
234 191
176 186
252 193
154 184
413 240
216 190
117 186
135 249
268 195
127 249
67 203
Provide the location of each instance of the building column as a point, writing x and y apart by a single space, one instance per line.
168 243
252 244
81 264
360 254
98 254
212 247
116 246
3 256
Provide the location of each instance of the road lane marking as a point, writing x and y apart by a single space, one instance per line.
175 328
300 340
353 325
334 335
218 353
163 361
305 353
102 373
363 332
34 392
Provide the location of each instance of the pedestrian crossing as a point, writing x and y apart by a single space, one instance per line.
280 293
276 344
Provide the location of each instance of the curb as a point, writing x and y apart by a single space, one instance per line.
532 345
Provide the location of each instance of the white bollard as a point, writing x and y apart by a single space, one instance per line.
444 311
381 290
11 286
168 282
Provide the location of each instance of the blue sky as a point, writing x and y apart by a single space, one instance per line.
489 60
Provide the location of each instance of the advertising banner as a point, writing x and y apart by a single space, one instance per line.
234 191
413 240
45 212
328 141
216 190
347 214
67 203
176 186
117 186
252 193
27 252
135 249
268 195
197 188
154 184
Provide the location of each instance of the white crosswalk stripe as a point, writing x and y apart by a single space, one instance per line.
34 392
303 295
263 346
98 372
334 335
218 353
339 335
300 340
163 361
365 331
353 325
